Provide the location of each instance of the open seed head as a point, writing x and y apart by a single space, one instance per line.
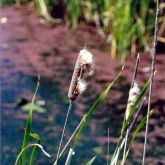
83 69
133 95
81 85
86 57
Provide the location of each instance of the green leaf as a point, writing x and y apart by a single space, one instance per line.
32 157
139 127
38 138
36 108
27 147
28 125
35 136
94 107
90 162
133 109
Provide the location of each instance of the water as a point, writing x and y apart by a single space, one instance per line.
19 84
16 86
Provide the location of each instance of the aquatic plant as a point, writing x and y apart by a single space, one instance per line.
83 68
127 26
128 124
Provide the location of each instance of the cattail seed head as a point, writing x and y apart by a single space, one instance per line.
83 68
133 95
86 57
81 86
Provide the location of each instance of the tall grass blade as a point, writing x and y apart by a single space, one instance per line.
94 107
28 125
133 109
32 157
153 65
125 125
27 147
90 162
139 127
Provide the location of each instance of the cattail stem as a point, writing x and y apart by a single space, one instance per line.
152 79
129 129
72 136
129 105
63 132
70 154
125 147
108 149
135 70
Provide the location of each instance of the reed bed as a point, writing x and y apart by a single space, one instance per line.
126 26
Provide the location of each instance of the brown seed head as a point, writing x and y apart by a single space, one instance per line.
83 68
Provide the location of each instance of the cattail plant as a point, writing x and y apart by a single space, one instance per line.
153 65
84 67
133 94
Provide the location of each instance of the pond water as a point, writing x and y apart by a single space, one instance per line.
16 87
17 90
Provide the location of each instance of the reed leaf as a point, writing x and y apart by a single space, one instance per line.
27 147
91 161
28 125
94 107
139 127
133 109
38 138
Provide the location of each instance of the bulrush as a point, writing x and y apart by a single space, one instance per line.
133 94
83 68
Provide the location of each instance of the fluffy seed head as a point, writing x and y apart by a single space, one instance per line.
86 57
83 69
81 85
133 94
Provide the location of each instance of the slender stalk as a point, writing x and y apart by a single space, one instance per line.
33 153
108 149
27 147
152 79
70 154
72 136
118 151
132 84
63 132
125 147
135 70
136 114
129 129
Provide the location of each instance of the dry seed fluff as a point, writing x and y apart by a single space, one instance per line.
133 95
83 68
